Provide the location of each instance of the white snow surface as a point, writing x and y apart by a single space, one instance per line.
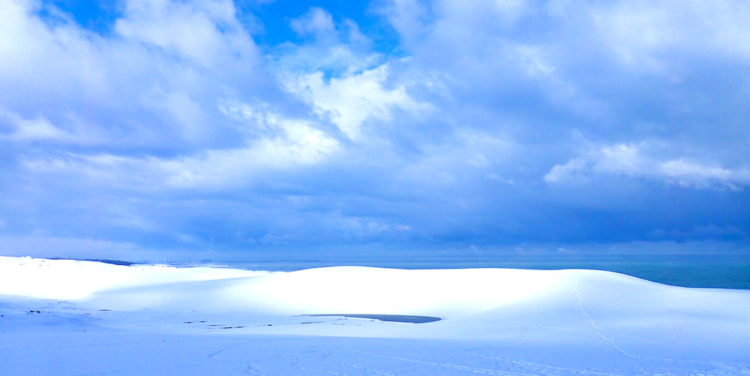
65 317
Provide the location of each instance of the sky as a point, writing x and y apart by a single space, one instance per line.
137 129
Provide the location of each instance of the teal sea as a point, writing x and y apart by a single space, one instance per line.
730 272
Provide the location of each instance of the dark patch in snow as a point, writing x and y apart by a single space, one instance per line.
105 261
390 318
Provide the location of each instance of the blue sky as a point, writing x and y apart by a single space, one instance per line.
212 129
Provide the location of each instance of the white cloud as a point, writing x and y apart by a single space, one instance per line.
473 11
205 31
315 22
455 25
453 115
290 143
470 157
32 129
640 32
572 172
301 145
180 108
623 159
369 226
39 60
351 100
688 174
153 83
642 161
407 17
338 48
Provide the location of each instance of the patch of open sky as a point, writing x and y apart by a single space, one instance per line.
96 15
267 21
276 16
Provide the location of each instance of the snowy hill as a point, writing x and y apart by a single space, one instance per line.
77 317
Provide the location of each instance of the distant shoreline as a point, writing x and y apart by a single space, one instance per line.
695 271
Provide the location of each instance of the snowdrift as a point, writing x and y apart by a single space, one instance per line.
541 310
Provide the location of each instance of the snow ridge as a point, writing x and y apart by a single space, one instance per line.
593 324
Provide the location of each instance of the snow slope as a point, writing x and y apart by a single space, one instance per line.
82 318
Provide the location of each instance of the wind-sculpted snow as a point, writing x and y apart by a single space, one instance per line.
79 318
442 293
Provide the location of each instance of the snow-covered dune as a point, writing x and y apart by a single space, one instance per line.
443 293
629 326
71 279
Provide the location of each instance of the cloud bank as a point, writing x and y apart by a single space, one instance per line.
489 124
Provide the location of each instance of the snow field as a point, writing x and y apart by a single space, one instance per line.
80 318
